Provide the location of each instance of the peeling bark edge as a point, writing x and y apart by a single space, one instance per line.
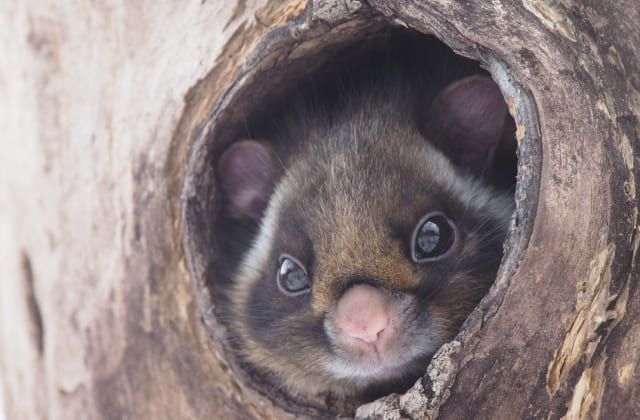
320 20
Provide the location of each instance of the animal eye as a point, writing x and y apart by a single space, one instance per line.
433 238
293 279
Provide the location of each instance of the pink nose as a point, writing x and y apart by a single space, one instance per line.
363 313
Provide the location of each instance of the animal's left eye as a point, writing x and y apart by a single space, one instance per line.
434 238
293 279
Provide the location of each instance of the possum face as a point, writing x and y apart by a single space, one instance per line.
371 251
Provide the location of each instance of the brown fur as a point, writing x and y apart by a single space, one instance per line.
351 194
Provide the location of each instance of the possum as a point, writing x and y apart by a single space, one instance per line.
376 234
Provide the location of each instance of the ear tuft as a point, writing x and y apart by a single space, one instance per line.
247 172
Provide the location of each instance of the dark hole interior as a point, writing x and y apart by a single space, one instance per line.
421 59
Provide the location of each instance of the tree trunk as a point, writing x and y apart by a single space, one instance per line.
110 112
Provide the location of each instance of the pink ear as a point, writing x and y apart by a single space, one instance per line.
247 171
466 122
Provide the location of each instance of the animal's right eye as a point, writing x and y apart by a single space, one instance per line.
293 279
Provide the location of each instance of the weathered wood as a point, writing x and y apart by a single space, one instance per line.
557 341
98 103
99 317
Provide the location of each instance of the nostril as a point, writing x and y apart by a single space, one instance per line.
369 332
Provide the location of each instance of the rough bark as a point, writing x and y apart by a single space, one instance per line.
106 108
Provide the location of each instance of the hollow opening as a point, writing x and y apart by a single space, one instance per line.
276 105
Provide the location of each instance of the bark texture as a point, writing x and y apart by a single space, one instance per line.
108 108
